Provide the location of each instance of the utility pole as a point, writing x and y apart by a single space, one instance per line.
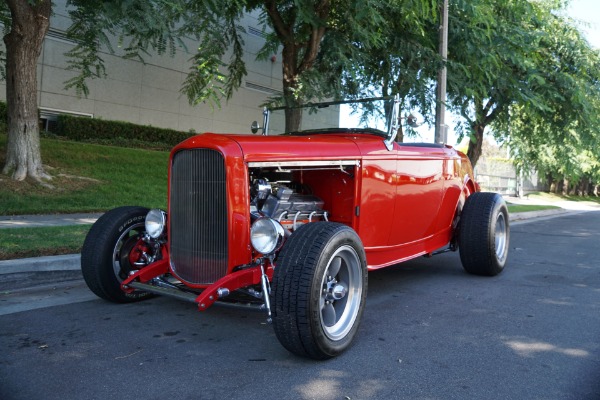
440 108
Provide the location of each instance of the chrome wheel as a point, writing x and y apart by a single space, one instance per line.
484 234
319 289
341 293
129 251
500 237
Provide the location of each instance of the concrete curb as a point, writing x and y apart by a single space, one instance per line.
522 216
27 273
68 262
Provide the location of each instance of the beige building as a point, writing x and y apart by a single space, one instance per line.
148 93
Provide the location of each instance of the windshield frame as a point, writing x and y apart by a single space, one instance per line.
392 123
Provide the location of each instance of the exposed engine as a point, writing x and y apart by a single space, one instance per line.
285 203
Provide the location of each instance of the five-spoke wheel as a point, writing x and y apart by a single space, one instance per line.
319 290
341 295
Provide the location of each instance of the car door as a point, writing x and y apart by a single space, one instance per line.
419 188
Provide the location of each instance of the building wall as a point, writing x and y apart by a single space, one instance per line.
149 93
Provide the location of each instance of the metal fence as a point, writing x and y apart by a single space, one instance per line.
500 175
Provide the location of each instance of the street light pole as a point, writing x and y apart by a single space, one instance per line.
440 108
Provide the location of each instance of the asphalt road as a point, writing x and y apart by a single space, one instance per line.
429 331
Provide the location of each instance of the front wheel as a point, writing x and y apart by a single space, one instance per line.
484 234
319 290
112 249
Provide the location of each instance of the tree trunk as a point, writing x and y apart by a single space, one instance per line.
550 183
584 187
565 187
293 116
299 52
400 134
474 151
23 46
293 119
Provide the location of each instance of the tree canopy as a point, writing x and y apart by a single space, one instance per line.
538 92
517 68
529 63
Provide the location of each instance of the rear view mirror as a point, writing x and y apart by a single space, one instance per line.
411 121
254 127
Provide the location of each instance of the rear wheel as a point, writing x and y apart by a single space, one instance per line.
484 234
112 249
319 290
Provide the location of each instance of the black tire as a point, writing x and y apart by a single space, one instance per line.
319 289
105 259
484 234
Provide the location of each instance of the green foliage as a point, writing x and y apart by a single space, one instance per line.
493 51
558 140
520 63
143 28
518 67
93 129
3 112
319 40
559 154
403 60
3 117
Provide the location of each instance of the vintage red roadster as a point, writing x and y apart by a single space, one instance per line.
291 224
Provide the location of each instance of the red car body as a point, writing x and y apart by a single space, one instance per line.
400 202
307 213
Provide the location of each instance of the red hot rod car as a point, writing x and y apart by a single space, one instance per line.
291 224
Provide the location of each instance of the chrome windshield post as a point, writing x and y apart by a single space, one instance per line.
393 124
266 114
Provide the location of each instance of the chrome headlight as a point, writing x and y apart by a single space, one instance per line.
266 235
155 223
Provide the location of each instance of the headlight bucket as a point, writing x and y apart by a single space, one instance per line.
156 221
266 235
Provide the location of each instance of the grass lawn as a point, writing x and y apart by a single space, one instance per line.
550 197
87 177
46 241
515 208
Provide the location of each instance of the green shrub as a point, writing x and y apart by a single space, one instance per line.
3 117
92 129
3 112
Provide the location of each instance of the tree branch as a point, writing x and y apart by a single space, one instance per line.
322 11
491 110
281 29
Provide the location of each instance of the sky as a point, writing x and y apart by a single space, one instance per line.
587 12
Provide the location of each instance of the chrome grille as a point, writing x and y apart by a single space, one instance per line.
198 216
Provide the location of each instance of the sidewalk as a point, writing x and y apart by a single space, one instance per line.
30 221
566 205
